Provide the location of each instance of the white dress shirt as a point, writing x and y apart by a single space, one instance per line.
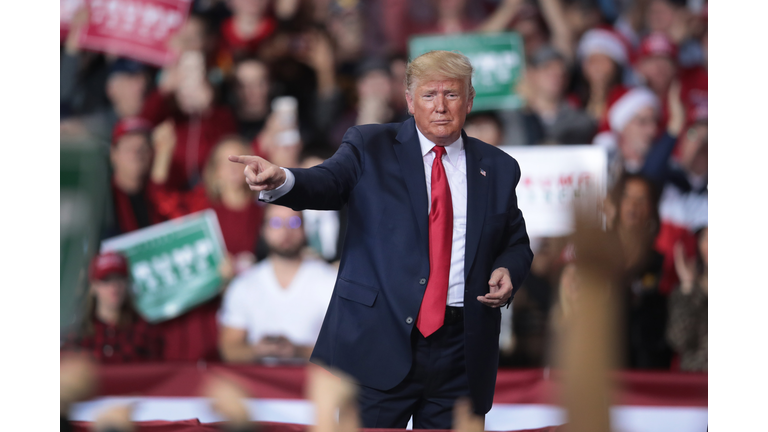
455 164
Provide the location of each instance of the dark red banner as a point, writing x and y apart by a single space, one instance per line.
513 386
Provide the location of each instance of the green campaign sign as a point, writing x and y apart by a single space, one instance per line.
498 59
174 264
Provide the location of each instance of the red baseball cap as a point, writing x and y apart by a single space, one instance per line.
657 44
130 125
108 263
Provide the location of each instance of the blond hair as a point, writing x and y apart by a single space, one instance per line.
210 180
439 64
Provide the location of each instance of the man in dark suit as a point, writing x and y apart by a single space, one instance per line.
435 246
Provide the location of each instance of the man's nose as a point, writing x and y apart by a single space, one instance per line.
440 104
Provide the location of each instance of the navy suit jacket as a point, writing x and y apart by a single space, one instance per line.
379 172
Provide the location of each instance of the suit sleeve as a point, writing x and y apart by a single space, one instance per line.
328 185
516 255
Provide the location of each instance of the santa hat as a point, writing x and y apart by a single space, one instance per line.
628 104
603 41
657 44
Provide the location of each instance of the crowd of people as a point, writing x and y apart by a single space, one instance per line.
285 79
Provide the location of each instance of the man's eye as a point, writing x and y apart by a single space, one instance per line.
428 96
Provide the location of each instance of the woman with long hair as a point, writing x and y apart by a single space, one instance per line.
194 335
634 219
602 56
111 329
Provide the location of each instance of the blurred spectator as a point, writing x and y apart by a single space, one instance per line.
112 331
126 87
632 142
684 180
633 120
548 117
602 55
276 308
187 98
252 96
133 197
636 224
528 22
486 127
451 17
568 20
193 35
678 23
82 75
374 103
244 32
656 65
687 331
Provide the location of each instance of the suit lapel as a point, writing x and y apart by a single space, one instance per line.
408 151
478 179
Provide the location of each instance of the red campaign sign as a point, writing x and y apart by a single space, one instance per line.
138 29
67 10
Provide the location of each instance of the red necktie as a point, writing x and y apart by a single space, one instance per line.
432 312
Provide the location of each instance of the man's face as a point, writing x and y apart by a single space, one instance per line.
110 292
635 208
548 79
637 137
283 231
131 156
660 16
126 92
485 130
440 107
658 71
252 85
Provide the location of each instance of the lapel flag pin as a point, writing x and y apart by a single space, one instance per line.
482 171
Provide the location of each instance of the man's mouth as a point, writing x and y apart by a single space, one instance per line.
441 122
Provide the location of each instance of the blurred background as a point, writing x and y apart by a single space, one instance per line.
168 258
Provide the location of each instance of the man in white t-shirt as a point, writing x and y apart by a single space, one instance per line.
275 309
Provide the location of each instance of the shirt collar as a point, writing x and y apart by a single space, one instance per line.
452 150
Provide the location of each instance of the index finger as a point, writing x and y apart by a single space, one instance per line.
238 159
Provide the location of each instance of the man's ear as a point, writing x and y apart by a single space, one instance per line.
470 104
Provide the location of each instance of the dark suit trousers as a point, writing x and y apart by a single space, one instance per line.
428 393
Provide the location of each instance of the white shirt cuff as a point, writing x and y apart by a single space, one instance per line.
271 195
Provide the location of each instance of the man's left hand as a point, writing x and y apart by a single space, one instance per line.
500 287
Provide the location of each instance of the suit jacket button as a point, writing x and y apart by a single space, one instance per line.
422 281
409 320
